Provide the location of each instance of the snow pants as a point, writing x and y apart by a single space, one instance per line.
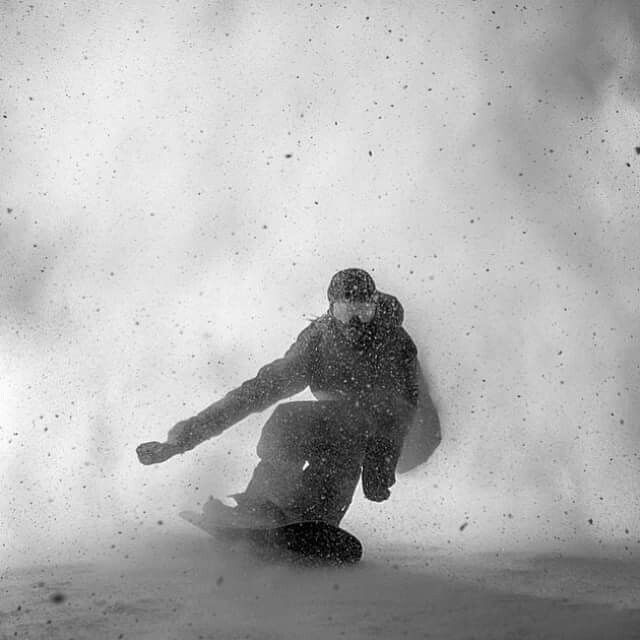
311 457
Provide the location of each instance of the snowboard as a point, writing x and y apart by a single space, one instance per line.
313 542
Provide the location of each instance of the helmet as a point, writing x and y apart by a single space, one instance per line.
354 285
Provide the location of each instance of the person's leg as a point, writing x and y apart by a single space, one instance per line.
333 453
326 492
310 459
275 479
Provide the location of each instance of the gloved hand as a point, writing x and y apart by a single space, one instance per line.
378 470
155 452
182 437
375 490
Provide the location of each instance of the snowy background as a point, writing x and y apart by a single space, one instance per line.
179 181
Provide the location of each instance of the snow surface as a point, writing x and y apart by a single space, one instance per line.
182 585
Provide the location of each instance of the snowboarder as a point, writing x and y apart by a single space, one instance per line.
362 367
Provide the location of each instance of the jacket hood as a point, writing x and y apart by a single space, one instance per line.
390 310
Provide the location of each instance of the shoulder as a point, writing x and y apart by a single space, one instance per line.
405 344
318 325
390 311
312 333
390 317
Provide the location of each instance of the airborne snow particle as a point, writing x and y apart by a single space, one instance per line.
58 597
463 526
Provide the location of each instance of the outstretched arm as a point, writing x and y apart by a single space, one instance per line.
280 379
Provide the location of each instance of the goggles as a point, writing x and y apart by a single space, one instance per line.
345 311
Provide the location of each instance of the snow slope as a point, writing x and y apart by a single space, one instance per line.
179 585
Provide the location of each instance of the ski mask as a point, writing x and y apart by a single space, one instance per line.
359 334
352 295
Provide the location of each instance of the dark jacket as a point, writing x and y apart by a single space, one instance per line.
382 378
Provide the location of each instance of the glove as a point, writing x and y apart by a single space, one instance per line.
155 452
375 491
374 484
378 470
182 437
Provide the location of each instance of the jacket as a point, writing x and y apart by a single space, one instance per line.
384 379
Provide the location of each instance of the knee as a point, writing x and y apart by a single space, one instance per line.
282 433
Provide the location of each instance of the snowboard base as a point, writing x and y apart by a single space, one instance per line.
312 541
